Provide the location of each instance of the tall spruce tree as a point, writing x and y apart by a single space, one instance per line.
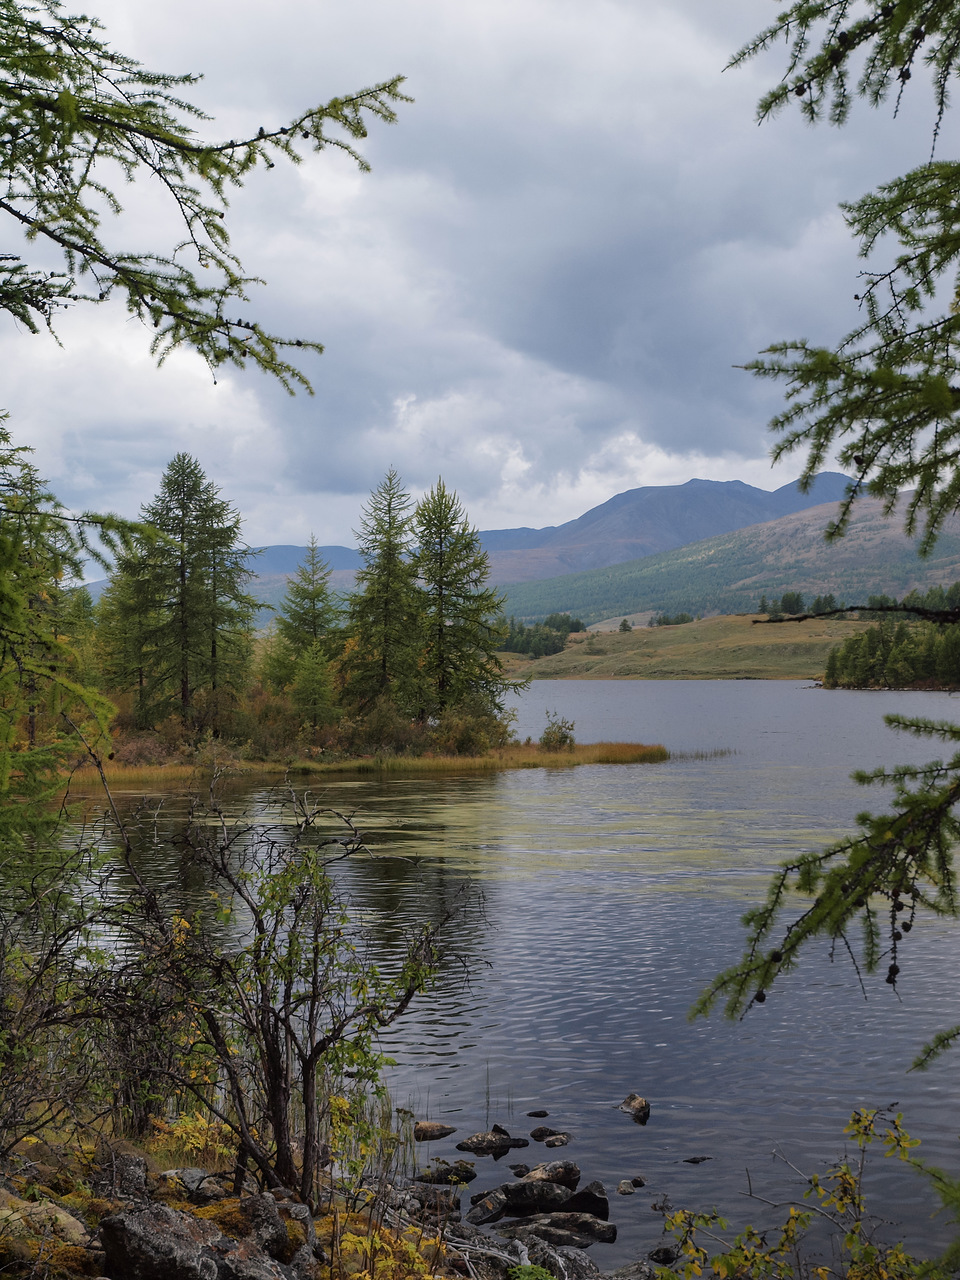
178 605
382 652
460 625
308 613
295 656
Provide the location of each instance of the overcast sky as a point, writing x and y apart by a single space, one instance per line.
540 292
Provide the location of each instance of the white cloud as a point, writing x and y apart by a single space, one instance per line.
542 289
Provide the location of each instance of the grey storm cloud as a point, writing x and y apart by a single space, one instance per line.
542 290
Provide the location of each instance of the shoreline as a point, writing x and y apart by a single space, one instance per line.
520 756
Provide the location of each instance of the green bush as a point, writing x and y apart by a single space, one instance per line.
558 735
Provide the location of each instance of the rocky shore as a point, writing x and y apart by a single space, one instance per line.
107 1212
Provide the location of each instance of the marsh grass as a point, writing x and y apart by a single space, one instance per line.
518 756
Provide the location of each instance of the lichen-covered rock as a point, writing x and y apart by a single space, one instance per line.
445 1174
557 1140
154 1242
536 1196
488 1208
633 1271
42 1218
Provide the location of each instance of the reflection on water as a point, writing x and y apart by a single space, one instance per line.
600 900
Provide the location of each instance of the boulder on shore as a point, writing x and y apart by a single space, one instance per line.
154 1242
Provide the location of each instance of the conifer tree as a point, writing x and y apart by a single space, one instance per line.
43 702
885 402
308 613
312 687
181 598
460 611
382 653
77 117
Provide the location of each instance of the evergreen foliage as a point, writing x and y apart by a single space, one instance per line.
459 612
180 619
78 117
44 705
308 613
903 649
296 655
666 620
884 402
542 638
381 656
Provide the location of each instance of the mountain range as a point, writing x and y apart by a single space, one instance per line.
637 523
706 546
729 573
645 521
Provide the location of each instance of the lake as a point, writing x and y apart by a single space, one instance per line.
600 900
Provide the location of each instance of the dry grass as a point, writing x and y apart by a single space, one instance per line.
729 647
518 756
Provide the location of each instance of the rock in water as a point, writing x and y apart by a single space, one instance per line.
590 1199
557 1140
665 1256
431 1131
444 1173
625 1187
578 1229
541 1131
537 1115
563 1171
491 1143
536 1196
637 1107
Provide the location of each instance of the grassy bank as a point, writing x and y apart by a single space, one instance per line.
722 648
518 756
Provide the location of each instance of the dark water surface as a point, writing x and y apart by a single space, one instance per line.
602 899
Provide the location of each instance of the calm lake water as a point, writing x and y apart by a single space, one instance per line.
600 900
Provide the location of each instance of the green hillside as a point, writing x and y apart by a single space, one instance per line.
729 573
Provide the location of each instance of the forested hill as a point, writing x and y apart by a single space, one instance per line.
728 574
642 522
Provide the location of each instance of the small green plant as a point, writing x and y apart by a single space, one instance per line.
529 1272
836 1196
558 735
